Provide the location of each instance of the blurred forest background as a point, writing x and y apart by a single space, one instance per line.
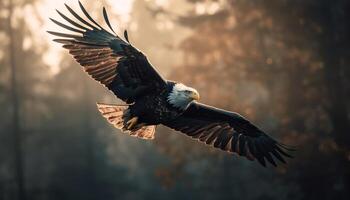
284 64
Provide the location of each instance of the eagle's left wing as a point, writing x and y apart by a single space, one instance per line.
228 131
107 58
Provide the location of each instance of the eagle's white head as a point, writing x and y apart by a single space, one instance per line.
181 96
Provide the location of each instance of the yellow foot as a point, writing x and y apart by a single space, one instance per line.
131 123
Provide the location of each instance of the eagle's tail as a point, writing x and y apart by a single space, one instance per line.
118 115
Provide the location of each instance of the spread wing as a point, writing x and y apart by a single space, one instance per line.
107 58
230 132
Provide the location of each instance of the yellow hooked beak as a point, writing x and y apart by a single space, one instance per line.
195 96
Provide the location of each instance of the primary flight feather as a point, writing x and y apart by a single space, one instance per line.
152 100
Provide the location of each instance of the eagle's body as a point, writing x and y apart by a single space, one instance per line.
155 108
152 100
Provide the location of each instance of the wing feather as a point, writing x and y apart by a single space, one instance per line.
79 18
66 26
88 15
105 15
71 21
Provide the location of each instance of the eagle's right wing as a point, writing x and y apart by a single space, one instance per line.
107 58
230 132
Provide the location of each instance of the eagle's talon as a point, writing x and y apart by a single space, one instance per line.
131 123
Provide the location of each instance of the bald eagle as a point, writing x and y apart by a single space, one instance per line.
152 100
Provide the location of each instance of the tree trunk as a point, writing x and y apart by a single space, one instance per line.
330 52
17 138
90 140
